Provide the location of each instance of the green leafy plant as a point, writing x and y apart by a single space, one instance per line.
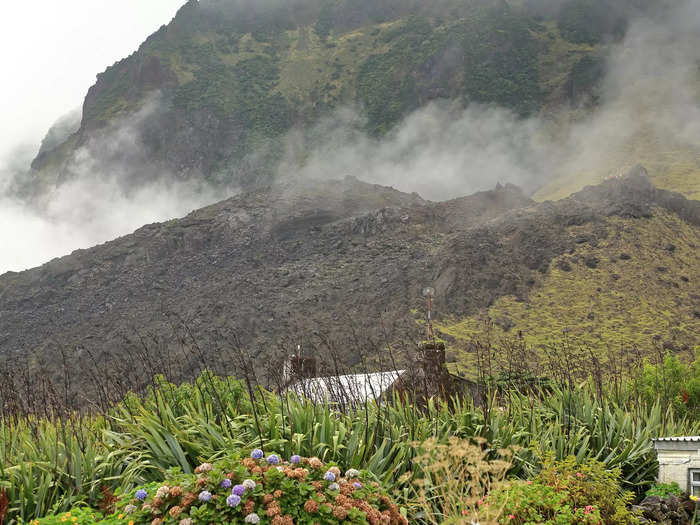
663 490
52 465
534 502
567 491
675 383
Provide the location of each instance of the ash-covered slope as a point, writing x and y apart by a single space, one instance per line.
319 251
317 255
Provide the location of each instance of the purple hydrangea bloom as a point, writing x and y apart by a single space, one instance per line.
141 494
329 476
257 454
226 484
233 500
295 460
205 495
357 485
273 459
239 490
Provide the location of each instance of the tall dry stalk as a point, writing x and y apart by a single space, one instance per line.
453 479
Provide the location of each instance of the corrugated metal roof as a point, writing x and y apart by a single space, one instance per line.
686 439
348 389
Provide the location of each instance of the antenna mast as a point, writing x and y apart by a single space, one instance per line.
429 293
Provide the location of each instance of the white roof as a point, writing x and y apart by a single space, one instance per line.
349 389
680 439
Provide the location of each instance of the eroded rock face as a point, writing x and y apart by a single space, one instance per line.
314 255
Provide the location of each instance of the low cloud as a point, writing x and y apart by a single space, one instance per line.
441 151
649 109
108 188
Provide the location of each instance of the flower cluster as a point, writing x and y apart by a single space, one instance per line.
263 488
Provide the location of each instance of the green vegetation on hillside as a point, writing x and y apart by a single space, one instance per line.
236 77
635 286
501 58
589 22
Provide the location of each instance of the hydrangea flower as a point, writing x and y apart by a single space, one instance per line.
205 495
249 484
273 459
163 492
333 486
226 484
238 490
141 494
357 485
329 476
252 518
295 460
233 500
186 521
129 509
257 454
352 473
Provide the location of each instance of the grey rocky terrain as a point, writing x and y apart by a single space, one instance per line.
322 256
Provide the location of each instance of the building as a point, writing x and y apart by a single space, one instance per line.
428 378
349 389
679 461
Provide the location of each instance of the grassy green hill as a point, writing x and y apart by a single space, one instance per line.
230 79
637 288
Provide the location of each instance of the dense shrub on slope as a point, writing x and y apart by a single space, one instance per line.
566 492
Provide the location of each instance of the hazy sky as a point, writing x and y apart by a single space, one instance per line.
51 51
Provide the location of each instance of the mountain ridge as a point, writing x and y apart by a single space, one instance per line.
315 255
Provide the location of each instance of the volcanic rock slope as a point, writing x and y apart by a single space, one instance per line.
323 256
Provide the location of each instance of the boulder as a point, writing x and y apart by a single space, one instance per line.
669 510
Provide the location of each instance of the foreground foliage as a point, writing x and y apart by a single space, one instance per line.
53 464
255 489
567 492
454 478
458 483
